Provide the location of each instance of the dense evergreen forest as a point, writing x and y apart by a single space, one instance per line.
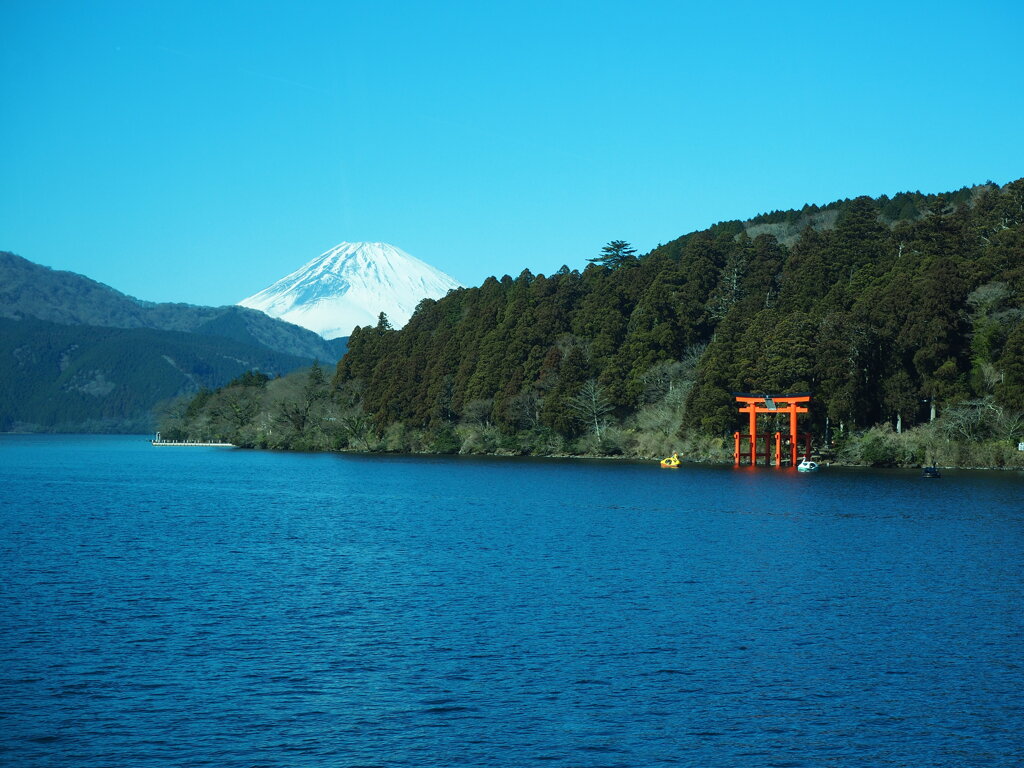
904 317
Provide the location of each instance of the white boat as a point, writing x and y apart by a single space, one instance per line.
807 466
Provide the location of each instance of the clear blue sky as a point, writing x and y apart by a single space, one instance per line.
197 151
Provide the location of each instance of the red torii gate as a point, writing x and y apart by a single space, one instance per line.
755 404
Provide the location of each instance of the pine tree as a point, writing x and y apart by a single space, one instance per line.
615 254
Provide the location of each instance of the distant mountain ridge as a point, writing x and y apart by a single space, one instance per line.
79 356
32 290
350 285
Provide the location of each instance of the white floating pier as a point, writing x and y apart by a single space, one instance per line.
188 443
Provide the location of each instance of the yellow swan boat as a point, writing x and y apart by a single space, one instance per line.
672 462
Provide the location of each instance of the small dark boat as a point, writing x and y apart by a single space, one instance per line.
932 471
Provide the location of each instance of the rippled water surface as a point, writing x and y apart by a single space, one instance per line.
218 607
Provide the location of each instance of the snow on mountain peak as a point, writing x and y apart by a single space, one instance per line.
350 285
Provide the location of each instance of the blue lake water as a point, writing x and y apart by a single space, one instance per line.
219 607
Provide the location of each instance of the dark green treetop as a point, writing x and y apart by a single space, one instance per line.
615 254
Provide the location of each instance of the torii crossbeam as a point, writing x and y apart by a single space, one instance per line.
752 404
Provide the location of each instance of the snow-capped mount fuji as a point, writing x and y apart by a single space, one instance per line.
350 285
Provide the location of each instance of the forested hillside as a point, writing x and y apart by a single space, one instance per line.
77 378
888 310
77 355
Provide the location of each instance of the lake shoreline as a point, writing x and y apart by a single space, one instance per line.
708 461
705 460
